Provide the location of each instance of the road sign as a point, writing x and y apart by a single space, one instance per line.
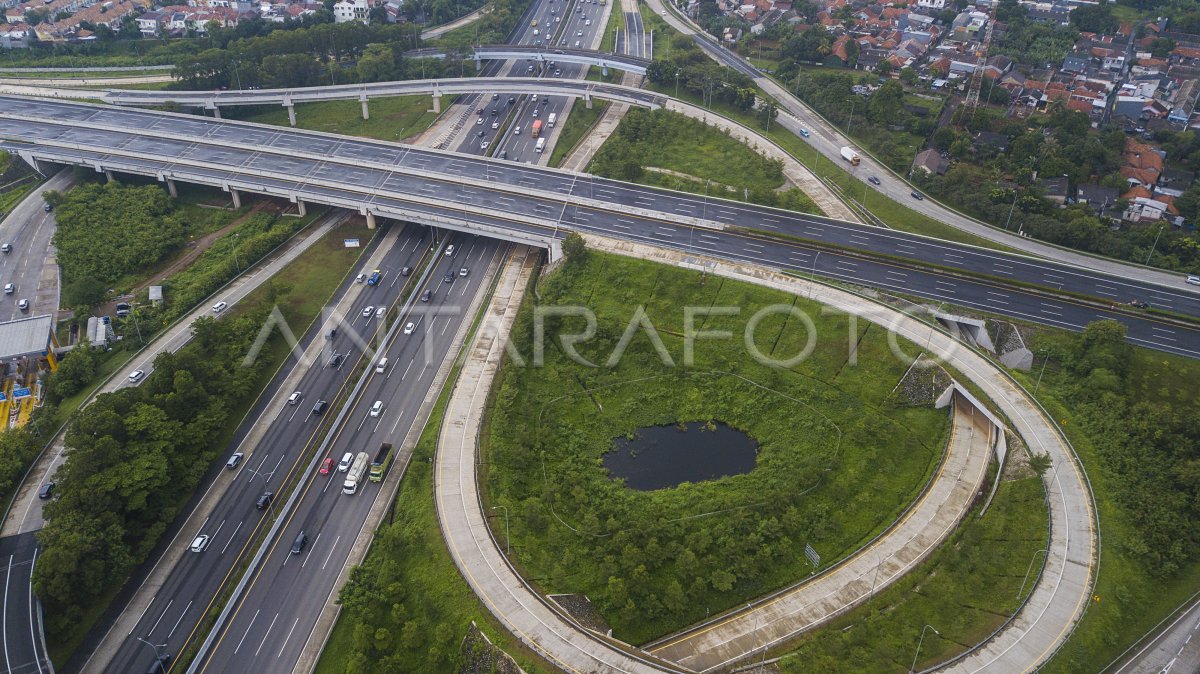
3 397
813 557
21 392
350 243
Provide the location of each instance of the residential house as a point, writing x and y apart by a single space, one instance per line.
352 10
990 139
1047 12
149 23
931 162
1076 63
1055 189
1095 196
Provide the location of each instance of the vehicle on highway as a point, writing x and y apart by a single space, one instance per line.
136 376
264 501
409 328
511 100
380 312
484 145
495 124
449 277
873 180
557 72
326 466
47 207
552 119
516 131
199 543
535 112
295 397
383 461
577 44
299 543
504 154
360 278
536 129
495 97
1193 279
917 195
479 111
449 250
355 475
462 271
381 366
368 311
319 408
377 408
427 295
588 22
160 665
541 145
850 155
234 461
479 122
10 288
23 305
219 307
46 491
804 132
374 278
344 464
7 248
405 271
529 69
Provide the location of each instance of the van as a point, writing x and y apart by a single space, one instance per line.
299 543
541 145
381 366
234 461
264 501
344 464
294 398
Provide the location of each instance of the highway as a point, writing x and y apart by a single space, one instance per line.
270 626
1174 649
24 649
275 461
30 266
485 195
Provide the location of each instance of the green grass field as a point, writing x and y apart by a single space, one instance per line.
966 589
394 118
579 122
839 458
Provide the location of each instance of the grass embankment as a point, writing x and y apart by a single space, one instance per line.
300 289
1140 452
966 589
578 124
394 118
667 149
839 457
406 608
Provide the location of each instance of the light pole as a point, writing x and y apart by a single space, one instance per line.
812 276
1010 210
237 261
922 640
507 539
156 653
1160 229
1040 373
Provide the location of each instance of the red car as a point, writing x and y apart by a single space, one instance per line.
327 465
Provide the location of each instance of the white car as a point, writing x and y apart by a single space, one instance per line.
479 122
484 145
579 33
136 376
368 311
380 312
219 307
1193 279
360 278
10 288
377 408
496 124
23 305
449 250
199 543
409 327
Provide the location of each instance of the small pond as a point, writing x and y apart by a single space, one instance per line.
665 456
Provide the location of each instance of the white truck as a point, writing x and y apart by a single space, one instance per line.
552 119
541 145
357 471
850 156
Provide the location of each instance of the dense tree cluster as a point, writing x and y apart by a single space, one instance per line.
687 67
134 457
1151 450
108 230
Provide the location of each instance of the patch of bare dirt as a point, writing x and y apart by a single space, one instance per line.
480 655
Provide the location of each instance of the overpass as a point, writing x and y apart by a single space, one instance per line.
215 100
512 52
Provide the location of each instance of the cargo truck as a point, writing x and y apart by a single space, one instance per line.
355 475
850 156
536 129
541 145
552 119
383 461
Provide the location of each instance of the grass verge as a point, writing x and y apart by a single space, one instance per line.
394 118
579 123
966 589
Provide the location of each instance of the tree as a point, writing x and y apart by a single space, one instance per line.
1095 18
377 64
574 248
1040 463
85 291
1162 47
908 76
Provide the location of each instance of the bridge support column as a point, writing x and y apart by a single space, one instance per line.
301 208
437 103
291 115
108 176
366 112
216 111
555 251
237 198
478 64
370 220
587 100
171 188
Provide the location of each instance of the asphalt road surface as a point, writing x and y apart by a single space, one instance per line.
24 650
172 616
271 624
534 201
30 266
1174 650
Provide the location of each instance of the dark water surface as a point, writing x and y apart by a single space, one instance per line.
665 456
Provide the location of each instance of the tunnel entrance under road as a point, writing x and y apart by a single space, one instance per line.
657 457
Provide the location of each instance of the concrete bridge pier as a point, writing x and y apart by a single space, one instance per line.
171 189
478 64
587 100
366 112
108 175
216 110
370 218
237 198
291 115
301 209
437 102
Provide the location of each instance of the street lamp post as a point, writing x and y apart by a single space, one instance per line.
507 538
922 640
156 648
1160 229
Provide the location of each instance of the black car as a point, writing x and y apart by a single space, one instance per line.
264 501
319 408
917 195
426 296
299 543
46 491
448 278
873 180
336 360
161 664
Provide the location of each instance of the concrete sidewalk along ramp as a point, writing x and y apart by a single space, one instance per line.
1030 638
